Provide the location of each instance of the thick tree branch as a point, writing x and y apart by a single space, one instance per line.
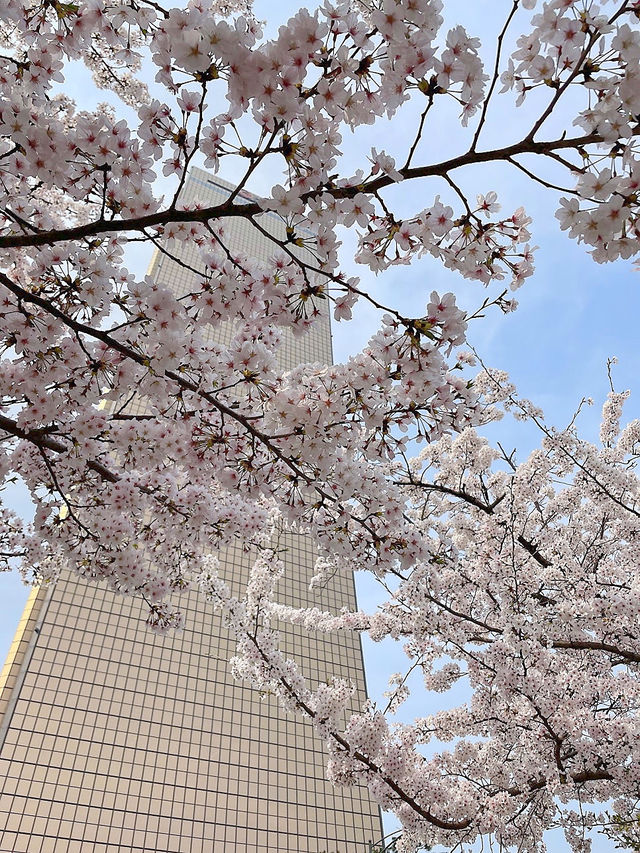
598 646
230 209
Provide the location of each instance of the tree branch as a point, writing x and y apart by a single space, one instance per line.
487 508
42 439
227 209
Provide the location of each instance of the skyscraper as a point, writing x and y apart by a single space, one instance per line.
115 739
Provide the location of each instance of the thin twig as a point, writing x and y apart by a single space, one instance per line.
496 68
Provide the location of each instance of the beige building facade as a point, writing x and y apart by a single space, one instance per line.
115 739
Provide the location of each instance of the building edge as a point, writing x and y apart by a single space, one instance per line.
20 653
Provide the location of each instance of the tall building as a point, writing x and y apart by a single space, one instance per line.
115 739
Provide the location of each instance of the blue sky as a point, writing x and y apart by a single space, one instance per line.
573 313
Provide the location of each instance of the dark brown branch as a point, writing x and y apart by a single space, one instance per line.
578 67
597 646
533 786
484 507
540 180
494 79
361 757
227 209
44 441
418 137
576 778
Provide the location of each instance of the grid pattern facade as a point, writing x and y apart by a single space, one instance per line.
115 739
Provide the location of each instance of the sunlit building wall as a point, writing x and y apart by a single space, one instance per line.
115 739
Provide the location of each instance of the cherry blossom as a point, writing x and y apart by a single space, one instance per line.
154 428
